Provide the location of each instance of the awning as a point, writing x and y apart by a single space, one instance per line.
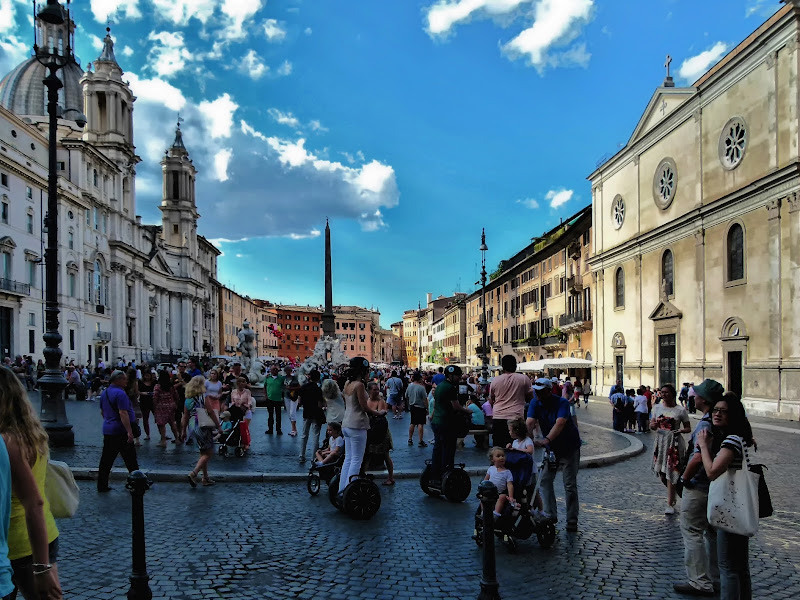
533 366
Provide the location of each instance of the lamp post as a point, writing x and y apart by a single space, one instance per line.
53 412
484 324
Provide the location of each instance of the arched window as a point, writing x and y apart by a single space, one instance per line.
735 257
667 272
619 288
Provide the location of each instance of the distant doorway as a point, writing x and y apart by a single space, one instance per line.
6 319
666 359
735 372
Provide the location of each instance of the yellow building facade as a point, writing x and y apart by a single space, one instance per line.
696 250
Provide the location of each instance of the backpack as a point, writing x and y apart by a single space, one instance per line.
378 426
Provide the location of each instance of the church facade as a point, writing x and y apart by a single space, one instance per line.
126 289
696 246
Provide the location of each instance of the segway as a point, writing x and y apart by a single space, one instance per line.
361 498
455 486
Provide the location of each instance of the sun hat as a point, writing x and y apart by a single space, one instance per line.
710 390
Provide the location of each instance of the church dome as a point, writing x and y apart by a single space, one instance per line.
22 91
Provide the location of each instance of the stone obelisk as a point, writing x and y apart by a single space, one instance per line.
328 324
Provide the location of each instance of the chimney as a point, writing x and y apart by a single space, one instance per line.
429 297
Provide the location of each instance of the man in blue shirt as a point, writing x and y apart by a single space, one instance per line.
551 414
439 377
117 412
699 541
193 370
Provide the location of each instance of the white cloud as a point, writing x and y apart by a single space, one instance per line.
285 68
556 23
303 236
694 67
283 118
169 55
558 198
761 7
315 125
15 46
308 31
219 115
253 66
127 51
445 14
156 90
357 192
529 202
104 10
221 160
273 31
235 14
180 12
97 43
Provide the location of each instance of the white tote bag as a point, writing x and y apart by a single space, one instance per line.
733 500
61 490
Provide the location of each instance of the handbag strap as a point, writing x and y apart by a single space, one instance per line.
745 454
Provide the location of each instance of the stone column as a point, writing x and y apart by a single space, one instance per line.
774 296
186 322
772 109
794 270
700 296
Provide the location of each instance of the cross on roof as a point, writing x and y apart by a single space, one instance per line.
667 64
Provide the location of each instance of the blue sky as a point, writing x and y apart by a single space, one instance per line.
410 123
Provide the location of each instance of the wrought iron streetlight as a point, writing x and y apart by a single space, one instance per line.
53 56
484 324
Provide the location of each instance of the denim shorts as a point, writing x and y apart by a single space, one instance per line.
23 571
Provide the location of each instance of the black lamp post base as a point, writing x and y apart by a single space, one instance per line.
60 436
489 591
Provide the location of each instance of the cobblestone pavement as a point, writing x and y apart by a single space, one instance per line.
274 540
270 453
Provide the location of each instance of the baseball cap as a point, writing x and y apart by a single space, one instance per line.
710 390
541 383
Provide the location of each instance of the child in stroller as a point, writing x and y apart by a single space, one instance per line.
518 521
232 436
328 459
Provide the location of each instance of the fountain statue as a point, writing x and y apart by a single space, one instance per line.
251 366
327 356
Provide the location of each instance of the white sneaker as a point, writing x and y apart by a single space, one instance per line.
670 510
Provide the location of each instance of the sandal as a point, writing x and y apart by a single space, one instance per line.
389 482
208 481
191 477
161 445
410 442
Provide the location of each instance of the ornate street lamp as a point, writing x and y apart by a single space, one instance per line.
53 56
484 353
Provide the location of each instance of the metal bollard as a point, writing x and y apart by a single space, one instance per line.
138 484
490 589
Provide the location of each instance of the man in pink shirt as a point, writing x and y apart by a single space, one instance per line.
508 395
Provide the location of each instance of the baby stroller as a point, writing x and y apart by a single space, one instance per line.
520 523
234 439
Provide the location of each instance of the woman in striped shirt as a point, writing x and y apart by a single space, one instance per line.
722 449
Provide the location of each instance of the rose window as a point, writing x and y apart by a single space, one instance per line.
618 212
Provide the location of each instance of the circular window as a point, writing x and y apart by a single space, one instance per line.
665 183
13 133
733 143
71 215
618 211
33 146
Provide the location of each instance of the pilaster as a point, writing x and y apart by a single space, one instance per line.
774 251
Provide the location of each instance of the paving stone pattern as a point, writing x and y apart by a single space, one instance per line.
274 540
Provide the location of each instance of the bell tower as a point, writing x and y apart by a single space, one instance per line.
178 208
108 105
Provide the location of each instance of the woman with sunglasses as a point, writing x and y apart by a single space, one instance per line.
723 449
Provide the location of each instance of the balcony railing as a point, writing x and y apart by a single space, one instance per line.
574 285
554 340
102 336
15 287
578 318
526 343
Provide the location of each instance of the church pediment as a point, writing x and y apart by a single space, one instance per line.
159 263
665 310
664 101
